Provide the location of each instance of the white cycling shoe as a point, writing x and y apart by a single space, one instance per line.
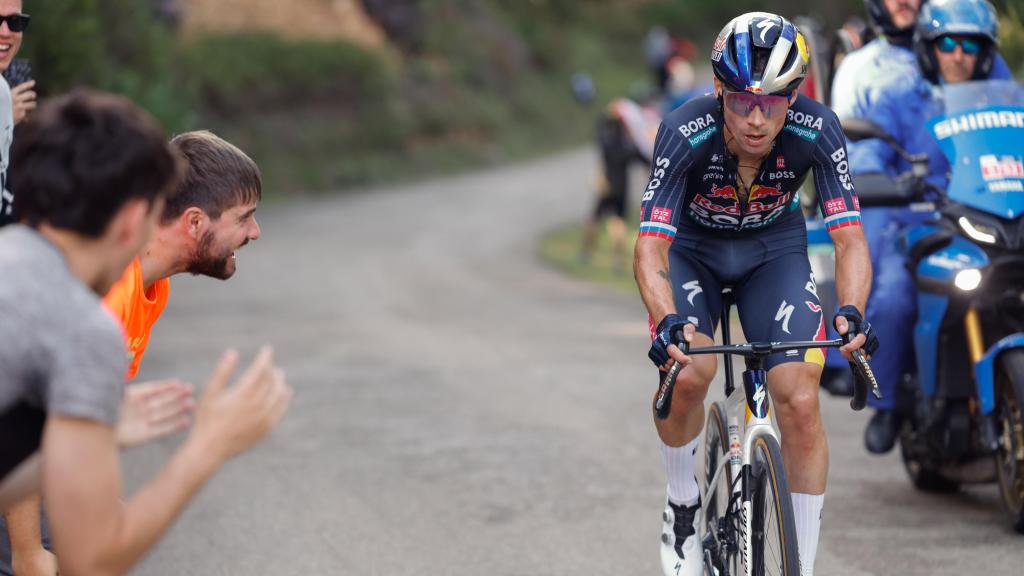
681 551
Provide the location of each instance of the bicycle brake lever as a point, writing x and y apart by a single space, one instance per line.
663 403
869 374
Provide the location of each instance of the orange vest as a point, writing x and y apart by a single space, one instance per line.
137 309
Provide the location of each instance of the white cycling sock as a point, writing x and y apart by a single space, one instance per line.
682 485
807 510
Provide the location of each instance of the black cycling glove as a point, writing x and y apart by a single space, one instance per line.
856 324
664 337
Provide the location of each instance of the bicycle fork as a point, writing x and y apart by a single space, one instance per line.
754 404
758 422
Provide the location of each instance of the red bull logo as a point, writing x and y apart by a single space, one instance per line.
727 192
765 198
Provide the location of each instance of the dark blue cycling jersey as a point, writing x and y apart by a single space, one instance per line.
693 177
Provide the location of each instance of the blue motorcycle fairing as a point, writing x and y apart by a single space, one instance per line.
914 234
983 146
944 264
985 369
931 308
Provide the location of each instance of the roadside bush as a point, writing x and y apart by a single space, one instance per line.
113 45
1011 39
236 73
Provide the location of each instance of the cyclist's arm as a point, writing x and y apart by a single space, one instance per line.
659 215
841 209
650 266
853 266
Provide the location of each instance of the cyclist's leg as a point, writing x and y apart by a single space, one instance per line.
777 302
697 294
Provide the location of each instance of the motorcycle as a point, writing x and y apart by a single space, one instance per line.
965 424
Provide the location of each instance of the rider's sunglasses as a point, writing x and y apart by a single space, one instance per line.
16 22
743 103
947 44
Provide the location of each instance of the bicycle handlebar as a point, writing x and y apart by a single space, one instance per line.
863 375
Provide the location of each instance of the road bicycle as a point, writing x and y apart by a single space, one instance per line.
749 528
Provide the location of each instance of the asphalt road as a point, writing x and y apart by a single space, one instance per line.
461 409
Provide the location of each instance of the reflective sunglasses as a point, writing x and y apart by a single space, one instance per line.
743 103
947 44
16 22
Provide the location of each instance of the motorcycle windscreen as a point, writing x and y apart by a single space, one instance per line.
981 132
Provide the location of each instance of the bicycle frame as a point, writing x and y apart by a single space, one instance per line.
752 401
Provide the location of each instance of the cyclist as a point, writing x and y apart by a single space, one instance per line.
884 83
720 210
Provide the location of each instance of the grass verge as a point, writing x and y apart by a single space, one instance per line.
561 249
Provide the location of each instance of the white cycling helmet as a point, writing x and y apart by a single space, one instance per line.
760 53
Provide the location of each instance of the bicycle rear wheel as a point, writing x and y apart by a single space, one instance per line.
773 525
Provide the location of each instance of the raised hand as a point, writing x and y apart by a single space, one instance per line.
23 100
229 420
152 410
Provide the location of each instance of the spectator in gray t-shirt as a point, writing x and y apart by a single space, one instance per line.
93 170
62 352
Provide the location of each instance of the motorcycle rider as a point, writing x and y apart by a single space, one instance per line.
883 82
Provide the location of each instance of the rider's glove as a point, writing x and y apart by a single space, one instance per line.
664 337
856 324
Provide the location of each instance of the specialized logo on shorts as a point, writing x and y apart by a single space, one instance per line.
692 289
813 306
784 314
835 206
663 215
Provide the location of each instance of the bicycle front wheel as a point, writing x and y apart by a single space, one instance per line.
719 517
773 525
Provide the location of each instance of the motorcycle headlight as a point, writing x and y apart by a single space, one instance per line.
968 279
978 231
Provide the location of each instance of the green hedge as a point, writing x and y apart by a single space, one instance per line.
245 72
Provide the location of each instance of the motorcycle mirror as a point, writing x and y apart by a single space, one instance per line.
878 189
863 129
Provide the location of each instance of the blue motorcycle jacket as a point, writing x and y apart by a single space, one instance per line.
882 83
